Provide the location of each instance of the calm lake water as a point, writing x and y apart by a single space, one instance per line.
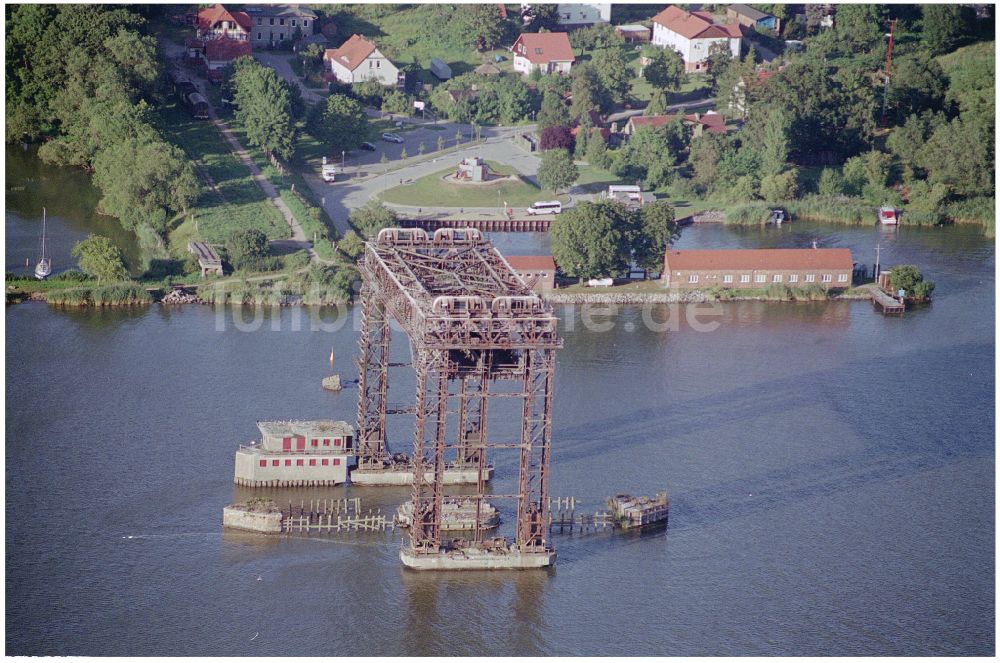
831 471
70 200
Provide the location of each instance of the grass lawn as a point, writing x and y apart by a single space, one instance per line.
595 180
431 191
648 285
242 205
415 34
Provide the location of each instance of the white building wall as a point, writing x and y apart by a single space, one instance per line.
249 469
377 66
583 13
669 39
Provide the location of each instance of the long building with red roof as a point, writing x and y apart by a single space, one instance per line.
757 268
692 34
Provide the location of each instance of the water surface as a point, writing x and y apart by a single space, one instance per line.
831 469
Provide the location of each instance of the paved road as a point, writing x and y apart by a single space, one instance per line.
279 62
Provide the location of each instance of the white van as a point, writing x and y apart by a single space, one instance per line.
329 173
545 207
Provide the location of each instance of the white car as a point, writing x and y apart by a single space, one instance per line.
392 138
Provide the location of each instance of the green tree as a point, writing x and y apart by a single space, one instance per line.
481 24
918 84
944 27
831 183
264 108
613 72
372 218
657 104
706 153
719 59
340 122
351 245
144 181
598 35
655 231
780 186
909 278
587 92
597 153
774 146
397 102
665 70
592 239
247 248
557 170
553 112
651 153
961 155
98 257
860 27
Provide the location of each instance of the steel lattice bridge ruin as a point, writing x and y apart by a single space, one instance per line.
476 333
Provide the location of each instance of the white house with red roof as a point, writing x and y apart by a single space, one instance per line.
218 22
692 34
357 60
548 51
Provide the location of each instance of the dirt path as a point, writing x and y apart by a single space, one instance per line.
298 239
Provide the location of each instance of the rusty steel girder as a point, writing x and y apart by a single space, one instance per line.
471 322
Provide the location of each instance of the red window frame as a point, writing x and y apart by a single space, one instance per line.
274 463
326 461
312 462
336 461
288 462
326 442
299 462
263 463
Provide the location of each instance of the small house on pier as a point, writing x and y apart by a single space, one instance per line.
297 453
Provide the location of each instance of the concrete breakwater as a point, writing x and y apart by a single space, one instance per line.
681 297
665 297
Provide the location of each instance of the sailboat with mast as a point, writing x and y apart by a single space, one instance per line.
44 266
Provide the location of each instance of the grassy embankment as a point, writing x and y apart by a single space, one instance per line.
432 191
416 33
235 203
305 207
773 292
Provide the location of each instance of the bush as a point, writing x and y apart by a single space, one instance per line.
554 138
748 215
247 247
113 294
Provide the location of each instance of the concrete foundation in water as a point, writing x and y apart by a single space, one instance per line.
477 559
403 476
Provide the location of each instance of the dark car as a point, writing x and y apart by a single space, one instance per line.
367 146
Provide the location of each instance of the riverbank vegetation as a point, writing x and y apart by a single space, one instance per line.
99 114
600 239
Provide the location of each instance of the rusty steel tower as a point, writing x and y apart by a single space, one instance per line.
477 334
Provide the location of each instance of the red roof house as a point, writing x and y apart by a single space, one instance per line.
550 52
358 59
710 122
538 272
692 34
217 21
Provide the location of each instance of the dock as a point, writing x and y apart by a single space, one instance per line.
208 259
883 301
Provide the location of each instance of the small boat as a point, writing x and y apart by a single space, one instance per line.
44 266
888 216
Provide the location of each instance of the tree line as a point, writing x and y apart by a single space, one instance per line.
84 79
